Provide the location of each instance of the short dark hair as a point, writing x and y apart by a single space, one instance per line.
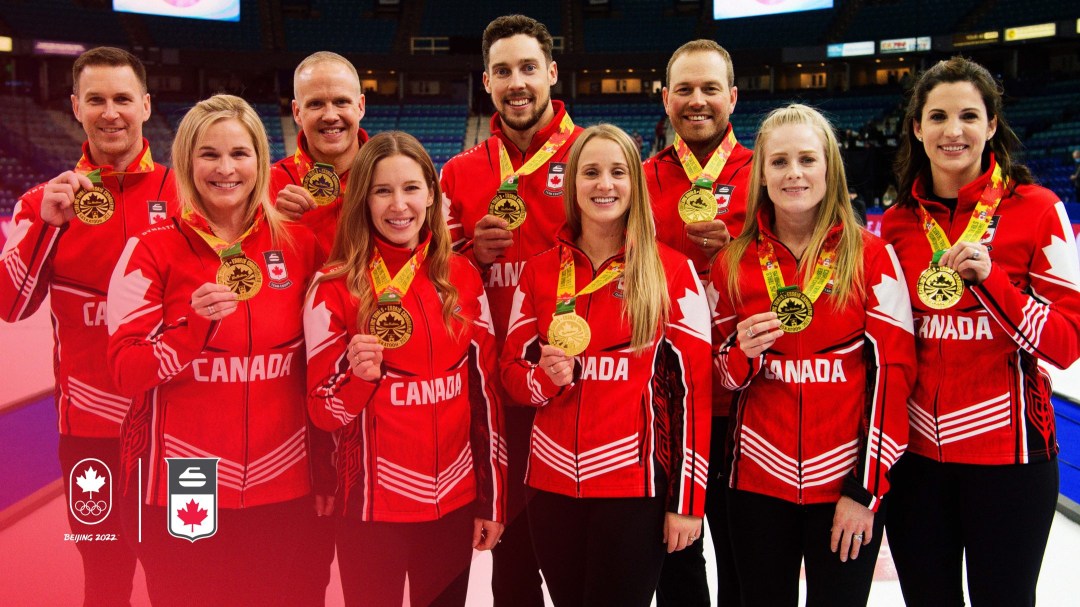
512 25
111 56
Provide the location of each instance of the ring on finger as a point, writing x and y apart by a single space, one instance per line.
210 309
750 332
975 255
704 242
857 536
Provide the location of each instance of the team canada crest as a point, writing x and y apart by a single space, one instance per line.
157 210
90 491
275 267
556 177
991 230
723 198
193 493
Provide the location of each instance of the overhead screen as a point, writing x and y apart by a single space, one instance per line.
216 10
734 9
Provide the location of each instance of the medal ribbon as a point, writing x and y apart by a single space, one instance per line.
392 290
304 165
705 177
145 165
980 217
508 177
566 298
774 278
223 249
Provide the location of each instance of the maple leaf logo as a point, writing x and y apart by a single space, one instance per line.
555 180
90 482
191 514
276 271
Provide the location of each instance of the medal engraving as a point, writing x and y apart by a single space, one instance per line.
697 204
392 325
94 206
323 185
508 206
241 275
794 309
569 332
940 287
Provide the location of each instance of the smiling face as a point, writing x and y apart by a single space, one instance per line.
328 108
698 99
398 200
954 128
225 168
602 184
112 106
519 79
794 170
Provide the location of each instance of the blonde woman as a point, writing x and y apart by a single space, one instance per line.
206 335
814 330
609 339
401 362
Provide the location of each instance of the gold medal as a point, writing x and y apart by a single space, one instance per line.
569 332
241 275
323 184
392 325
794 309
508 206
94 206
697 204
940 287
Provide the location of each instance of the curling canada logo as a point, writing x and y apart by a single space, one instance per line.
193 496
90 491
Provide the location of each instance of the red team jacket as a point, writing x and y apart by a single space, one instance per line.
667 182
73 263
470 179
230 388
980 396
822 412
291 170
426 439
626 415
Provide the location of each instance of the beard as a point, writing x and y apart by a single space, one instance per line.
528 122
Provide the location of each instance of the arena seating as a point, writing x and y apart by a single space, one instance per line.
346 26
458 20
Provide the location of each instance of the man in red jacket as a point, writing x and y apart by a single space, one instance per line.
68 233
328 105
503 200
705 158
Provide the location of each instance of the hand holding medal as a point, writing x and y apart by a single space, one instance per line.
971 260
241 275
558 365
322 183
567 330
213 301
95 205
758 333
365 355
57 202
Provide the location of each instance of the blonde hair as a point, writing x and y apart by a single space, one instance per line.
647 302
199 118
355 237
835 208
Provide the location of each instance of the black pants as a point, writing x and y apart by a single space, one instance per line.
771 537
683 580
515 575
262 555
598 552
997 516
374 558
108 566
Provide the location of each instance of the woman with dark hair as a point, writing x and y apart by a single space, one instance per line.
822 367
401 362
991 265
609 340
206 335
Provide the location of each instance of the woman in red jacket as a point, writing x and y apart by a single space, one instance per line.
401 362
992 268
206 334
609 339
814 330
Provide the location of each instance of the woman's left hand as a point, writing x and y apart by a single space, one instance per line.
558 366
852 528
680 531
970 259
486 534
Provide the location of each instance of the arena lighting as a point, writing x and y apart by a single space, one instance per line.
1029 32
6 44
67 49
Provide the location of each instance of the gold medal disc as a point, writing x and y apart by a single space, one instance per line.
392 325
940 287
94 206
508 206
794 309
569 332
241 275
697 204
323 185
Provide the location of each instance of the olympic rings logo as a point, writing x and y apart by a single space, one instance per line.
91 508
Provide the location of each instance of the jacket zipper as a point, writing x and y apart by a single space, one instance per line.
434 406
247 397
